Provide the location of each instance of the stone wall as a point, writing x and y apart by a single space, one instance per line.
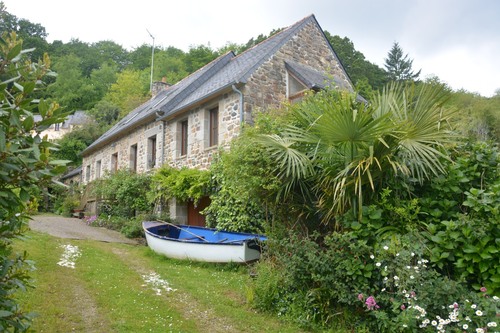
199 154
122 147
267 87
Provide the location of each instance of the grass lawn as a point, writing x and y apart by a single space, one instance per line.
125 288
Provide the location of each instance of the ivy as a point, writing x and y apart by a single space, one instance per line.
182 184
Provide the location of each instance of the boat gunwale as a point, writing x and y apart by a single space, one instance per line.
239 242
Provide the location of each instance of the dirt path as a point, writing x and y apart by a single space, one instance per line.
73 228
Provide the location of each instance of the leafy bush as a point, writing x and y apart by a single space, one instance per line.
243 183
123 193
309 283
389 287
25 161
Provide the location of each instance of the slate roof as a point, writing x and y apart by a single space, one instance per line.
72 173
315 79
210 80
78 118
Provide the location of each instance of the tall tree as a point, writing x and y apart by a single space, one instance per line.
399 66
129 91
71 89
365 75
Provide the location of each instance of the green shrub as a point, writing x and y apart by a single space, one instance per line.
310 283
388 287
123 193
25 162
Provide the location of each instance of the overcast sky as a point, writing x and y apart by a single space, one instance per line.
457 40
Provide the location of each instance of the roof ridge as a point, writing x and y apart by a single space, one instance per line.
290 30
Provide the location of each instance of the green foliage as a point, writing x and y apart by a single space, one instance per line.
340 152
365 75
242 183
25 162
105 113
128 92
479 117
73 143
308 283
183 184
399 67
387 287
123 193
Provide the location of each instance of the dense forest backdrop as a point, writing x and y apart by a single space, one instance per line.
108 81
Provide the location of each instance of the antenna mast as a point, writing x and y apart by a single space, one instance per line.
152 61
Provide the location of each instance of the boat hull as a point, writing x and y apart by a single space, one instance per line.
210 245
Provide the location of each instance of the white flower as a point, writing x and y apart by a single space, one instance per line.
404 325
496 298
408 267
396 277
378 264
383 290
397 254
479 313
492 324
434 323
412 254
372 256
473 306
386 248
479 330
412 277
465 326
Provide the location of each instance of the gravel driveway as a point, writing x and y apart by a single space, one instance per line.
69 227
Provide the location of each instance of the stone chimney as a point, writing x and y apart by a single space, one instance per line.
159 86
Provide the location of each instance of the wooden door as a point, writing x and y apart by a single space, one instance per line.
194 215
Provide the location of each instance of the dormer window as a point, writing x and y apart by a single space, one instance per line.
296 89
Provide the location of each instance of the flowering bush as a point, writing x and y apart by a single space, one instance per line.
413 296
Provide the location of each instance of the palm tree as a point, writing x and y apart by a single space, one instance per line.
338 150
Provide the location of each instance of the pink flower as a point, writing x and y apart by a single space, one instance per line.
403 307
371 303
361 297
483 289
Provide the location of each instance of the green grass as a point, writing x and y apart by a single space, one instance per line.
106 292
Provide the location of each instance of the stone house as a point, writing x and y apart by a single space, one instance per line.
57 131
185 124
